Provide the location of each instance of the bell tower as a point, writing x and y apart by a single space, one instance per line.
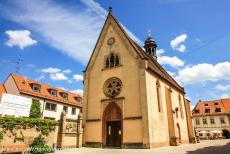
150 46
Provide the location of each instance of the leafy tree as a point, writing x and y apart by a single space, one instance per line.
35 110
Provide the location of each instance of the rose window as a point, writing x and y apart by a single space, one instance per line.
112 87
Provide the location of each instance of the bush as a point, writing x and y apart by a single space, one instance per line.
35 110
39 146
1 136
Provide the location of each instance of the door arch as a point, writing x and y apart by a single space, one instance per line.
179 133
112 126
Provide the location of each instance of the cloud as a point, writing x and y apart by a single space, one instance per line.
176 43
58 76
40 78
171 73
225 95
78 91
204 72
172 61
72 30
223 87
51 70
67 71
20 38
78 77
159 52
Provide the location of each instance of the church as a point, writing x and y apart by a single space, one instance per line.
130 101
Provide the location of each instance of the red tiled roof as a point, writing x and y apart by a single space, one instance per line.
25 86
223 104
2 90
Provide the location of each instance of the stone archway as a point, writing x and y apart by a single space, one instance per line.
179 133
112 126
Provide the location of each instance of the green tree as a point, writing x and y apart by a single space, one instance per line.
35 110
39 146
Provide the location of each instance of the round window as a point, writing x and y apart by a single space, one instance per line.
112 87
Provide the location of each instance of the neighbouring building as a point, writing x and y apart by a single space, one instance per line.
130 101
53 100
212 118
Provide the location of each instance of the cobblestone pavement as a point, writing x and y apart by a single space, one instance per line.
205 147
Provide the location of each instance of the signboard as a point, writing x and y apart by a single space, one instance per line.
15 105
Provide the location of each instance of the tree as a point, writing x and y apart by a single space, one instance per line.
35 110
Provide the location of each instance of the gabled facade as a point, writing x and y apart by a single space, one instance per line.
129 100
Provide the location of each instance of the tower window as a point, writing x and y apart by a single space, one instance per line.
112 60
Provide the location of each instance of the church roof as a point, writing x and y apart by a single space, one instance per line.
153 65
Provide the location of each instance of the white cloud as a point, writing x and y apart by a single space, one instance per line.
225 95
171 73
58 76
78 91
67 71
50 70
223 87
172 61
20 38
176 43
204 72
159 52
78 77
72 30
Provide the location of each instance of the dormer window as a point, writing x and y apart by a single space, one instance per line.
218 110
78 99
53 92
64 95
36 88
205 104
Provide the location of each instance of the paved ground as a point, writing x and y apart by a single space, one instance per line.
205 147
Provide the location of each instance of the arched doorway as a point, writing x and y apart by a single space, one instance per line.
179 133
112 126
226 133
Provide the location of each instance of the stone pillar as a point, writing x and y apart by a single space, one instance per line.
79 131
62 130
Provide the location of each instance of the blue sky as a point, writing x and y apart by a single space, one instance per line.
54 39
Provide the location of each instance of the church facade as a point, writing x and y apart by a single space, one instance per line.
130 101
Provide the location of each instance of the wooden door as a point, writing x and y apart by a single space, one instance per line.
113 134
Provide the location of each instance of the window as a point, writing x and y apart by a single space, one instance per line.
51 106
65 108
159 101
53 92
64 95
216 103
78 99
212 121
205 104
222 120
181 108
205 121
218 110
112 60
207 110
36 88
197 122
197 111
73 111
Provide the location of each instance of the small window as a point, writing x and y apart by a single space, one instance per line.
216 103
218 110
64 95
73 111
112 60
222 120
197 122
205 104
212 121
51 106
207 110
53 92
36 88
78 99
205 121
197 111
107 63
65 108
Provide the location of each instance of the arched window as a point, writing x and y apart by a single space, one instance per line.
112 60
159 101
181 108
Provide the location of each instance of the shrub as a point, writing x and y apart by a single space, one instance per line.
35 110
39 146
